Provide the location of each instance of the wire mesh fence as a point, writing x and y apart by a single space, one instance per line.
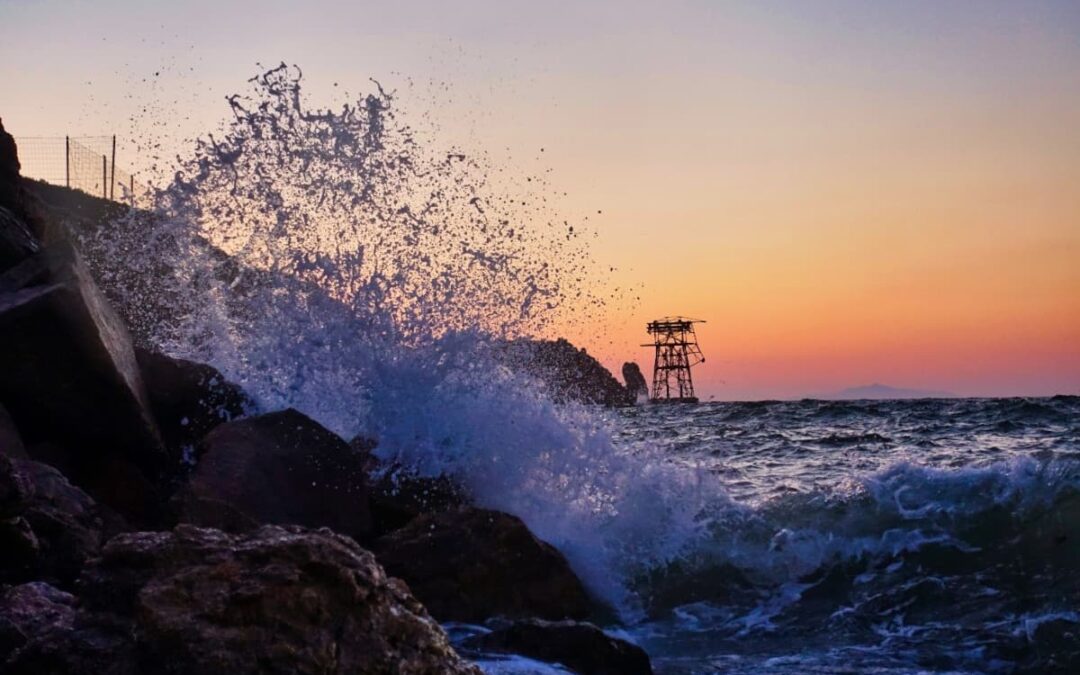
86 163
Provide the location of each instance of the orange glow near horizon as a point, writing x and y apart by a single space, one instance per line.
847 192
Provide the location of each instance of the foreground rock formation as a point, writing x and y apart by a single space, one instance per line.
283 600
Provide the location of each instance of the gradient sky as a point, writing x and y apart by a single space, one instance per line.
849 192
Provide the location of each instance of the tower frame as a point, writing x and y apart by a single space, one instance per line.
677 350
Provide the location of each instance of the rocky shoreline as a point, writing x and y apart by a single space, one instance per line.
151 520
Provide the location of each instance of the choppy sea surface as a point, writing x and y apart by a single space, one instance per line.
870 537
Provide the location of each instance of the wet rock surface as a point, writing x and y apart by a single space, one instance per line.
284 468
284 600
188 399
581 647
471 564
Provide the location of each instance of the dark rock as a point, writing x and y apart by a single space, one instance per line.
399 496
188 399
32 610
280 600
48 527
71 381
10 442
636 385
472 564
568 373
284 468
17 243
581 647
14 196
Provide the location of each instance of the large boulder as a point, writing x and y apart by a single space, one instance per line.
72 384
48 527
188 399
282 468
581 647
472 564
279 600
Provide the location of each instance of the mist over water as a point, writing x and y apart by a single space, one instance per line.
337 261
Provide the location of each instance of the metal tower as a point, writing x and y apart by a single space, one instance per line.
676 351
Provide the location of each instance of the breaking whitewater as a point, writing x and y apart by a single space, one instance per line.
337 261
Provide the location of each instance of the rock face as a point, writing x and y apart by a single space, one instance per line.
48 528
636 386
10 442
568 373
188 399
581 647
472 564
32 610
280 600
284 468
71 381
19 203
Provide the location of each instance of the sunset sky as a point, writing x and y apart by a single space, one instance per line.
848 192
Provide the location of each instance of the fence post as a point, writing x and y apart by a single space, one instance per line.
104 177
67 161
112 178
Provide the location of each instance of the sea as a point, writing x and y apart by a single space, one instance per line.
333 259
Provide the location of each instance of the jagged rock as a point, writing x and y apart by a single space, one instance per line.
581 647
188 399
284 468
71 382
10 442
49 528
32 610
636 385
280 600
472 564
568 373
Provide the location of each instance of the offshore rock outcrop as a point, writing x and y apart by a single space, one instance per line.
277 600
636 385
568 373
472 564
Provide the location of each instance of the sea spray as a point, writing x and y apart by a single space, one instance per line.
330 261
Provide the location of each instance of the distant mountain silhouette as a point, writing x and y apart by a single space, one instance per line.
872 391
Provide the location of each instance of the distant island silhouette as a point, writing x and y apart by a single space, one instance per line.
876 390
